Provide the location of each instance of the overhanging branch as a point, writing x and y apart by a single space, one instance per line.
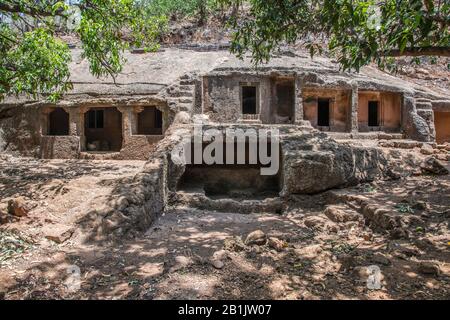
418 51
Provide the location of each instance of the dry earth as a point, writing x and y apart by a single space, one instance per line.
191 254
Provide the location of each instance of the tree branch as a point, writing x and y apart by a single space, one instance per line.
418 51
31 11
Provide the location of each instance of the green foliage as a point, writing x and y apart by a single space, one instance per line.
357 32
34 61
37 63
404 208
179 8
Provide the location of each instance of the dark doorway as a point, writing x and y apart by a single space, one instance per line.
249 99
58 122
103 129
150 121
373 113
323 113
285 102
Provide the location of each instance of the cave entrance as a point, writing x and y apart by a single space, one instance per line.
285 102
230 181
249 99
237 177
103 129
323 112
58 122
373 120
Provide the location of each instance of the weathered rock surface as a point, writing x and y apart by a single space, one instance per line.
276 243
433 166
256 237
312 167
58 233
429 268
18 207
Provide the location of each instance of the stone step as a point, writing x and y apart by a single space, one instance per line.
187 107
185 100
187 87
186 76
180 94
423 100
187 82
401 144
197 199
424 105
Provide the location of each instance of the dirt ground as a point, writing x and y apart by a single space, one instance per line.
192 254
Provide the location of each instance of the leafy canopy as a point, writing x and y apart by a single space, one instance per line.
33 60
357 32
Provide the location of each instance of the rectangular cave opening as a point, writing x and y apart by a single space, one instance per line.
237 177
323 112
249 99
149 121
230 181
373 114
103 130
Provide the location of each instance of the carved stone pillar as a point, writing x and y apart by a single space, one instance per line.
45 111
354 109
299 115
127 126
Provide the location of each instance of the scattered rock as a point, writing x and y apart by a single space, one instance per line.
426 149
218 264
430 268
18 207
180 263
361 272
59 234
234 244
338 215
433 166
276 244
314 222
368 236
256 237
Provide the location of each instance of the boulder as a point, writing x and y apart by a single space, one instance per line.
218 264
338 215
276 243
18 207
310 167
433 166
58 233
314 222
426 149
234 244
256 237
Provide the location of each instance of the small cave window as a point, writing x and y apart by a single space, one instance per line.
373 114
96 119
150 121
249 99
58 122
323 112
